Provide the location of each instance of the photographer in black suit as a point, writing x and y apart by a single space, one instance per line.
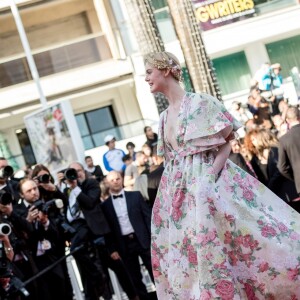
7 184
84 214
41 238
129 218
94 170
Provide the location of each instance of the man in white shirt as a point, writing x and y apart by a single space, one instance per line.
129 218
84 214
112 159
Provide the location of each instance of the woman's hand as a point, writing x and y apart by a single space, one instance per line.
221 157
7 247
48 186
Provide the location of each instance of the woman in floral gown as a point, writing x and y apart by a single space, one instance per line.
217 232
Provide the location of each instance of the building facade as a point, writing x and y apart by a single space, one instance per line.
79 56
240 36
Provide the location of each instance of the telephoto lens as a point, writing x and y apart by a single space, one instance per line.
5 229
71 174
6 172
45 178
5 198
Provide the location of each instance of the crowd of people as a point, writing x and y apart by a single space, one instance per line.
268 147
102 221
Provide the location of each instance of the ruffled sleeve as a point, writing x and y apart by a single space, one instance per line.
208 123
160 140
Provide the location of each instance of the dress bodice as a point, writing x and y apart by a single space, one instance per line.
203 124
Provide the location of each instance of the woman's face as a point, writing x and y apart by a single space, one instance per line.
155 78
254 140
235 146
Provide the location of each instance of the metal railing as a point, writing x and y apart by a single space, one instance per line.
121 132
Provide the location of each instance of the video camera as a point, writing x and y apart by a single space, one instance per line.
5 198
6 172
69 174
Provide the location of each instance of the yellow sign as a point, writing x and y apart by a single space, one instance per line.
215 12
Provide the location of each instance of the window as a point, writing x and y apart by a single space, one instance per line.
94 125
233 72
285 52
164 20
267 6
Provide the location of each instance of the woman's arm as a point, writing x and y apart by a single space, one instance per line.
222 156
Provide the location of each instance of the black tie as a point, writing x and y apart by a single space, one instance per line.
117 196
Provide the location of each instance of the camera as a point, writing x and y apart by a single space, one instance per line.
44 207
5 198
59 217
45 178
70 174
6 172
5 229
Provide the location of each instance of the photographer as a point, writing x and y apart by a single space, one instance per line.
45 182
6 183
49 191
24 266
85 215
42 240
6 256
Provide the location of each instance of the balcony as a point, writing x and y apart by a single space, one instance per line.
63 69
59 58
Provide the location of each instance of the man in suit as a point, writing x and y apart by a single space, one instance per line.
7 184
289 151
85 215
38 249
95 171
129 218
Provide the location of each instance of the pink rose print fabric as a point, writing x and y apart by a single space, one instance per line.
224 239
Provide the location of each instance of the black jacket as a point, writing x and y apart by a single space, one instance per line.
289 155
139 215
90 205
154 178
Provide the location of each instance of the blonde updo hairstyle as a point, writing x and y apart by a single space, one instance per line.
165 61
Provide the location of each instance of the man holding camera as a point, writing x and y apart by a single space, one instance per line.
41 238
84 214
6 183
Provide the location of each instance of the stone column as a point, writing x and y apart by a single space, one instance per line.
147 35
198 63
